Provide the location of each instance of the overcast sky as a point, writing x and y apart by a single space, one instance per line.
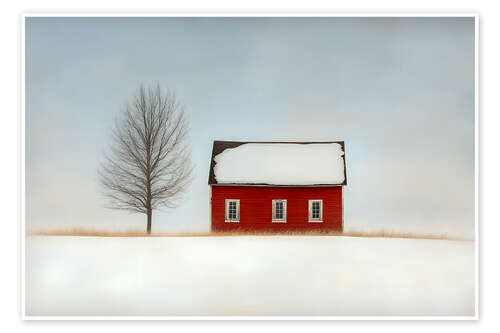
398 91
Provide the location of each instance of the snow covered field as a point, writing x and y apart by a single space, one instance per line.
248 276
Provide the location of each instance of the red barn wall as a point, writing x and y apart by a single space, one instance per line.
256 208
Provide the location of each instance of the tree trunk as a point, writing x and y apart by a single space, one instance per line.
149 221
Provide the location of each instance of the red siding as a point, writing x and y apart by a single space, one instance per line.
256 210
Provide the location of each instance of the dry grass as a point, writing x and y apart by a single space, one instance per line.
80 232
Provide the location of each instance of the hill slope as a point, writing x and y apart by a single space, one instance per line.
248 276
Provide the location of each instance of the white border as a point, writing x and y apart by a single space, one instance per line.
476 164
243 14
22 124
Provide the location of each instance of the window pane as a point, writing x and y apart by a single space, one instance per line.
279 210
231 212
316 210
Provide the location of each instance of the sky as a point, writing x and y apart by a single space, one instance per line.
398 91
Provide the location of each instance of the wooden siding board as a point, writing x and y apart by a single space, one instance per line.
256 212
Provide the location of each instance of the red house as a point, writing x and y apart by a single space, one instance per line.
277 186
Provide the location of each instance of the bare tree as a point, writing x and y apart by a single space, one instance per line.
148 165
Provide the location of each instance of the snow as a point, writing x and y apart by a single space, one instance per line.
281 164
248 276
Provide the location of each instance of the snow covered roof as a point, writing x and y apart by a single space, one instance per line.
278 163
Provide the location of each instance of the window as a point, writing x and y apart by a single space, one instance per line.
279 211
315 210
232 210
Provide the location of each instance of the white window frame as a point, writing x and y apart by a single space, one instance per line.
273 211
226 215
316 220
